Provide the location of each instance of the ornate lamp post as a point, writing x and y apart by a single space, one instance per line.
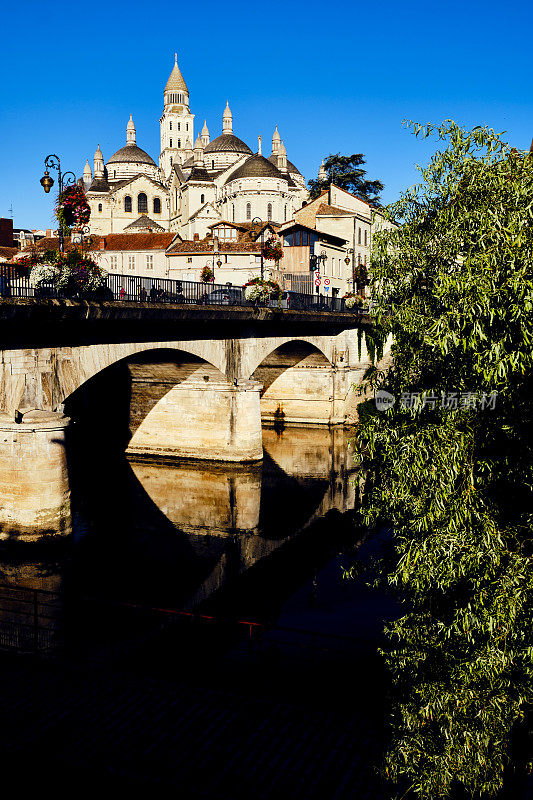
64 179
257 229
347 261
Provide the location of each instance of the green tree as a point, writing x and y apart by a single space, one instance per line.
346 173
454 475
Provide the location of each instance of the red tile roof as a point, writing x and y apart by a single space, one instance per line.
206 246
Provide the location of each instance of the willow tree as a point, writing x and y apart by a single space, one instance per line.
450 465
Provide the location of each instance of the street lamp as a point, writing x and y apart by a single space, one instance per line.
347 261
254 233
52 162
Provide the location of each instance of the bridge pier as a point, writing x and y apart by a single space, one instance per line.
204 419
313 395
34 477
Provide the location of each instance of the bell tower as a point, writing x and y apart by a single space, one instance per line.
176 123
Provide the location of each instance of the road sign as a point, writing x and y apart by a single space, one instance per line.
327 281
317 281
326 288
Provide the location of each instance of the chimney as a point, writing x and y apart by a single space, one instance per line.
101 243
196 237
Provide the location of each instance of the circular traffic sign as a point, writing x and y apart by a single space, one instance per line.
317 281
327 281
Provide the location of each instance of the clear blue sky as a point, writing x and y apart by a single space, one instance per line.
334 77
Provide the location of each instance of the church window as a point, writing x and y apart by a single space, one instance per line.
100 207
248 211
212 164
127 203
171 126
142 203
179 126
157 205
202 198
285 214
171 142
269 211
170 160
187 126
114 173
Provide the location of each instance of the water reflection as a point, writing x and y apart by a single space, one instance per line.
175 534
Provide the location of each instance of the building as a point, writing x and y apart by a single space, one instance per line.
196 181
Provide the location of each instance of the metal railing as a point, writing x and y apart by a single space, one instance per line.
134 288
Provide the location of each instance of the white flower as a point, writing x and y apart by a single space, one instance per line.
43 273
256 292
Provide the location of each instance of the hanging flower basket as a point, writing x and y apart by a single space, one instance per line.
272 250
207 275
72 207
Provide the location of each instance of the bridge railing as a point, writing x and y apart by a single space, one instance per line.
135 288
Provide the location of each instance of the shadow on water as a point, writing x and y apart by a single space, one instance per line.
211 576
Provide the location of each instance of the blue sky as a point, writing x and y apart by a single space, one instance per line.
334 77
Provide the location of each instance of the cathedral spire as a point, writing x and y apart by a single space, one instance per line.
98 163
176 90
130 131
227 119
276 139
205 134
198 152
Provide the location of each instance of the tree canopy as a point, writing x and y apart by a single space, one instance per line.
450 466
346 172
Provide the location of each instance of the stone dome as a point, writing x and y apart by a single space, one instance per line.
132 154
290 166
255 167
227 143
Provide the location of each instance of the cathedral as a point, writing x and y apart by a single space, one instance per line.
197 183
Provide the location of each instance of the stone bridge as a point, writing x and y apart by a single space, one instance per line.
200 381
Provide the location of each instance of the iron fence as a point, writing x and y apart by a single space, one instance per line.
138 289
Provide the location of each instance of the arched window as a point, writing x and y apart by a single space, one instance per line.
157 205
142 203
212 164
127 203
171 142
202 198
170 160
99 207
179 143
179 126
248 211
269 211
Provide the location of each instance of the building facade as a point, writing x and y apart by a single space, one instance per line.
196 182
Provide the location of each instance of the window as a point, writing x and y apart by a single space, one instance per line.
171 142
297 238
366 238
179 126
233 213
170 160
127 203
113 263
248 211
179 144
100 207
187 126
114 173
285 214
202 198
212 164
131 262
142 203
171 126
269 211
149 262
157 205
305 238
359 241
189 260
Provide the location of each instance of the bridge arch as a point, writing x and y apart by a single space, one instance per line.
79 364
255 354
